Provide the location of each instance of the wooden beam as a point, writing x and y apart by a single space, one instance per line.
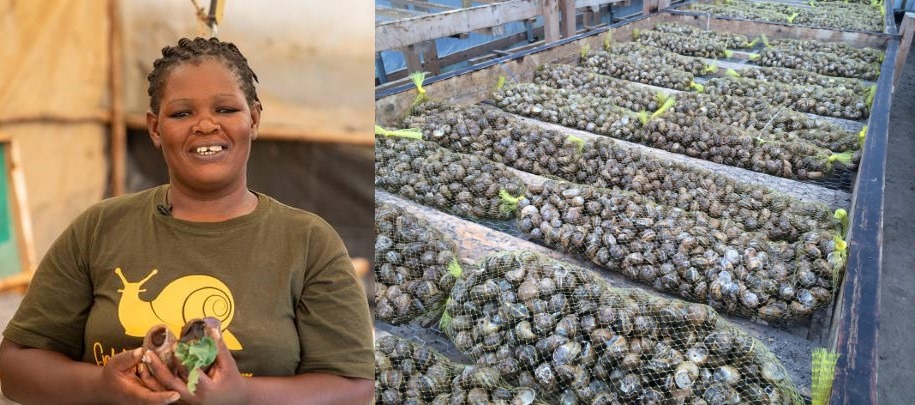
550 12
412 59
907 30
399 34
62 117
421 5
567 8
662 4
21 217
118 142
595 3
396 13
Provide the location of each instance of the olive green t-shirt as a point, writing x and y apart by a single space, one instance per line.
279 279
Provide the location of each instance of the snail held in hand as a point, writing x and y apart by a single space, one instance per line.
176 354
182 300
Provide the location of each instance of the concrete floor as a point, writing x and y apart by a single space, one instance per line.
896 346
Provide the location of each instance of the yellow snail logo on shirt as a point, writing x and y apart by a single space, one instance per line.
186 298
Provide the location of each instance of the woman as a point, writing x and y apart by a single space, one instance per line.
295 324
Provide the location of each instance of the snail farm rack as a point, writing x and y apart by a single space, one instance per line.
848 325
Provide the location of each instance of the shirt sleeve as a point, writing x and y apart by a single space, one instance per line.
332 315
52 316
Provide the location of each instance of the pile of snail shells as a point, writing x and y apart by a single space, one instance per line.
688 253
638 69
658 56
564 332
803 78
567 108
463 184
730 40
675 132
744 112
844 16
602 163
824 63
828 102
869 55
585 81
409 373
764 12
411 265
683 45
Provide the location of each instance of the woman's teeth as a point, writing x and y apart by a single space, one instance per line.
208 150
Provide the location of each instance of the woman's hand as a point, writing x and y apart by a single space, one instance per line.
223 384
119 380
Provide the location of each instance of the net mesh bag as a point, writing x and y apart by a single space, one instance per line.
730 40
842 16
699 46
803 78
565 333
869 55
830 102
410 373
602 163
415 266
465 185
638 69
824 63
688 253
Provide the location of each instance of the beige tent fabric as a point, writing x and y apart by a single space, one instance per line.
314 60
56 52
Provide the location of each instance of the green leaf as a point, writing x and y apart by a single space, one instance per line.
195 355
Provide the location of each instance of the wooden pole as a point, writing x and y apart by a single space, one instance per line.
907 30
550 12
22 219
118 126
567 7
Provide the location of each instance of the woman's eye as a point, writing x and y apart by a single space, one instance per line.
226 110
179 114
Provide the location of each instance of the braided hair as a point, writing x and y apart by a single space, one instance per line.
193 50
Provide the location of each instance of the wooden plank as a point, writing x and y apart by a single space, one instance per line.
60 117
550 12
398 34
907 30
118 143
395 13
421 5
412 59
662 4
567 27
858 314
595 3
431 63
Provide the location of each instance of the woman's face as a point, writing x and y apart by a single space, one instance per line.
204 127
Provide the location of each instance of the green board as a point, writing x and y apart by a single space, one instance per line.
9 251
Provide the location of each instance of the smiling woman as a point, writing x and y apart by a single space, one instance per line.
278 279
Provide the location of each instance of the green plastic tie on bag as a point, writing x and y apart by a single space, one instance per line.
812 4
824 371
667 104
753 56
765 40
403 133
584 50
792 17
418 78
713 67
844 157
454 268
608 40
861 136
760 140
643 117
579 143
732 73
500 83
842 216
728 54
660 97
699 88
509 203
444 324
636 33
871 93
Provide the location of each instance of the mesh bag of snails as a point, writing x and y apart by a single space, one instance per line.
601 163
803 78
845 16
729 40
703 47
868 55
825 101
572 338
755 13
188 356
415 266
824 63
694 66
410 373
702 259
463 184
638 69
676 132
744 112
